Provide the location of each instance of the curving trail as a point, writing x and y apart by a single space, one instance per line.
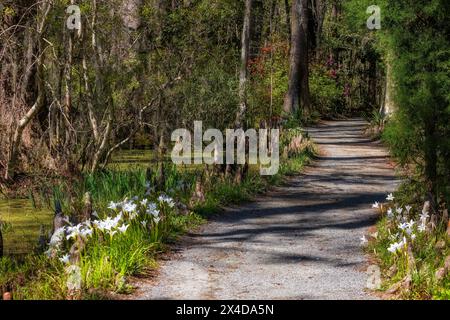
300 241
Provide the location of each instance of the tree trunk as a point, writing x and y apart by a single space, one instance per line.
16 139
292 99
243 78
335 16
305 97
318 13
288 19
67 102
101 149
388 107
431 160
245 53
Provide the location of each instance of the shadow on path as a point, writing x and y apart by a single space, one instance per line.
300 240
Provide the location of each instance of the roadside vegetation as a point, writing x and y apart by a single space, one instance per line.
411 242
73 99
132 220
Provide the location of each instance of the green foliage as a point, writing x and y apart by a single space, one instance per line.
419 36
213 88
326 92
399 134
34 277
376 119
347 73
104 186
269 81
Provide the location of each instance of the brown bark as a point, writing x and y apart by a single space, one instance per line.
305 98
335 15
298 91
243 73
288 18
16 139
292 99
317 16
101 149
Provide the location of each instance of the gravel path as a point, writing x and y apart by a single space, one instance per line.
300 241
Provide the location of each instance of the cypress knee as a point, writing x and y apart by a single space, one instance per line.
87 211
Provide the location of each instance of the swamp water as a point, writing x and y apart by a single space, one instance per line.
22 225
23 221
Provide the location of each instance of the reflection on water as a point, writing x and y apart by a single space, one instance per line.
23 225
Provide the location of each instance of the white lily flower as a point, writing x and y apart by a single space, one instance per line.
168 200
112 223
403 226
106 225
133 215
116 220
144 202
394 247
99 225
123 228
73 232
129 207
399 210
144 223
157 219
153 212
86 232
397 246
424 216
410 224
376 205
112 205
408 208
363 240
73 229
87 223
422 228
390 214
65 259
390 197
